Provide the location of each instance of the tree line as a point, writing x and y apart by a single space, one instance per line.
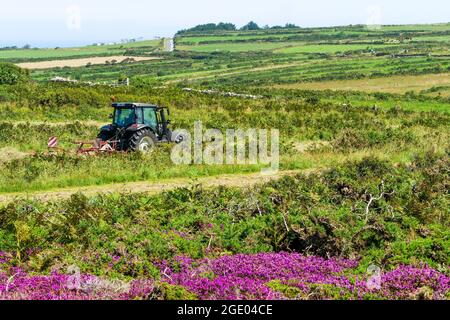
222 26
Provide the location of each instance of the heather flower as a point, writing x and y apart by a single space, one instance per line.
263 276
247 277
18 285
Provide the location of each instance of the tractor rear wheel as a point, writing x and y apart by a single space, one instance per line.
143 141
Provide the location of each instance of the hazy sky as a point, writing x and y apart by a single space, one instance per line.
75 22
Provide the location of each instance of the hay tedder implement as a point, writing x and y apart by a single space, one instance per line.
96 146
135 127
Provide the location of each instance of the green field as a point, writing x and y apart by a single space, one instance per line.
235 47
331 49
24 55
285 56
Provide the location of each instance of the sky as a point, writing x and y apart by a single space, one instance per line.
50 23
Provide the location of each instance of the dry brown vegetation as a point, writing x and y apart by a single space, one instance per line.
393 84
73 63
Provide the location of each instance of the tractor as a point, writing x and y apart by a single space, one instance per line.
136 127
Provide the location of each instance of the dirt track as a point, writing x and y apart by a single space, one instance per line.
239 180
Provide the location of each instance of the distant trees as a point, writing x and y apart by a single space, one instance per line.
9 48
287 26
11 74
226 26
290 26
251 26
221 26
254 26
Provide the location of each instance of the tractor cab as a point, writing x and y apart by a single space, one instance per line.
137 126
134 116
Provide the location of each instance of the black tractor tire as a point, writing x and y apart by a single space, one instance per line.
143 140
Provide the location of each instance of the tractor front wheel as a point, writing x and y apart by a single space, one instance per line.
143 141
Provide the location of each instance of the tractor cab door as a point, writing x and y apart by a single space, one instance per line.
150 118
163 122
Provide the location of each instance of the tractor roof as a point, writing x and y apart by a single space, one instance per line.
133 105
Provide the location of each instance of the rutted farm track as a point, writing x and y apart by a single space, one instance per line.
154 187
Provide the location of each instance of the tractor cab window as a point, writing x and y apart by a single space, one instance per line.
150 117
139 116
124 117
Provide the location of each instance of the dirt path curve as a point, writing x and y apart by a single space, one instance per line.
151 187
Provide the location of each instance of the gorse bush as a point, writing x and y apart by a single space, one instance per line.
350 139
11 74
